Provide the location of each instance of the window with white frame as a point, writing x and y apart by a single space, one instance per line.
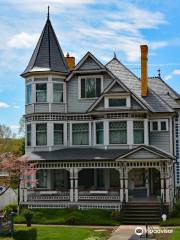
117 102
28 94
28 134
80 133
90 87
41 176
41 134
58 92
138 132
58 134
159 125
41 92
99 132
118 132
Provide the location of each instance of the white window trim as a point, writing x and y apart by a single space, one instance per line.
74 145
47 92
159 125
64 134
79 85
52 100
31 94
128 101
145 130
94 132
47 124
119 144
28 146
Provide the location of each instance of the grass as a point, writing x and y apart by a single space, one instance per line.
71 216
67 233
176 235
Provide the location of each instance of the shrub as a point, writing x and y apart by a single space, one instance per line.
116 215
28 214
26 234
10 208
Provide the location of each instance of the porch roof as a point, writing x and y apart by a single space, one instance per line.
75 154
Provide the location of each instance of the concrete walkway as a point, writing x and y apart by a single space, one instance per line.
126 232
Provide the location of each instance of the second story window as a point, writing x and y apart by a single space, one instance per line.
159 125
138 129
99 133
90 87
41 134
41 92
117 102
28 134
118 132
28 94
58 134
80 133
58 92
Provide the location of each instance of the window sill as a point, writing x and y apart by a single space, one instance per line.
93 98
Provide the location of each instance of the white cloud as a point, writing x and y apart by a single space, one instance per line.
14 127
4 105
176 72
23 40
168 77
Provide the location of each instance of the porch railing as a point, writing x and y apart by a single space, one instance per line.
48 195
98 195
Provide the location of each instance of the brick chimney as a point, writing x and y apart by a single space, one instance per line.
144 74
70 62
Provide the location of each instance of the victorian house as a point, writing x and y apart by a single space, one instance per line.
101 136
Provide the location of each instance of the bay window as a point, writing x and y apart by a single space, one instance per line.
118 132
58 134
80 133
138 130
41 92
99 133
90 87
58 92
28 94
41 134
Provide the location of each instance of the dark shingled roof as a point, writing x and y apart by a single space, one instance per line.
47 55
75 154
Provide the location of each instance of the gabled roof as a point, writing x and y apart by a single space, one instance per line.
82 61
153 102
108 88
168 94
152 152
47 55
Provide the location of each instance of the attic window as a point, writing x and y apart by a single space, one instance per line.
90 87
117 102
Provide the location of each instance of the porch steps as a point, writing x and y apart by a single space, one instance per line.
141 213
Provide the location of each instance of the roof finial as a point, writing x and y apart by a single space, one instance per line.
159 73
115 55
48 13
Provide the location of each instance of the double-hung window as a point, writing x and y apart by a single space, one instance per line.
99 133
28 134
41 134
80 133
41 176
41 92
90 87
118 132
138 130
57 92
58 134
28 94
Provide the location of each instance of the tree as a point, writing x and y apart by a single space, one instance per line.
5 132
21 130
19 170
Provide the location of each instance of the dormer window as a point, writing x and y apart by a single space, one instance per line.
90 87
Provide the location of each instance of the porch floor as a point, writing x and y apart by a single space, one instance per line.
151 199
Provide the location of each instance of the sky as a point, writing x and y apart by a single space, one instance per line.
99 26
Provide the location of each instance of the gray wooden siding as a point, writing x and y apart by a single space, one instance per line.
29 109
57 107
116 88
160 139
89 64
107 80
142 154
135 105
41 107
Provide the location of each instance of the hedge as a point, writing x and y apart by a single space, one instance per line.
26 234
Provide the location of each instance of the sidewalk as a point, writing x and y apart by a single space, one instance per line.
126 232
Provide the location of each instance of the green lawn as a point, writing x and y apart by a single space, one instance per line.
176 234
67 233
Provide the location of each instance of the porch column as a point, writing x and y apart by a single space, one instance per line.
121 184
71 185
147 179
162 183
76 184
167 184
126 183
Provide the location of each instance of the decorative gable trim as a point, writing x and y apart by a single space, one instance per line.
150 150
81 62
